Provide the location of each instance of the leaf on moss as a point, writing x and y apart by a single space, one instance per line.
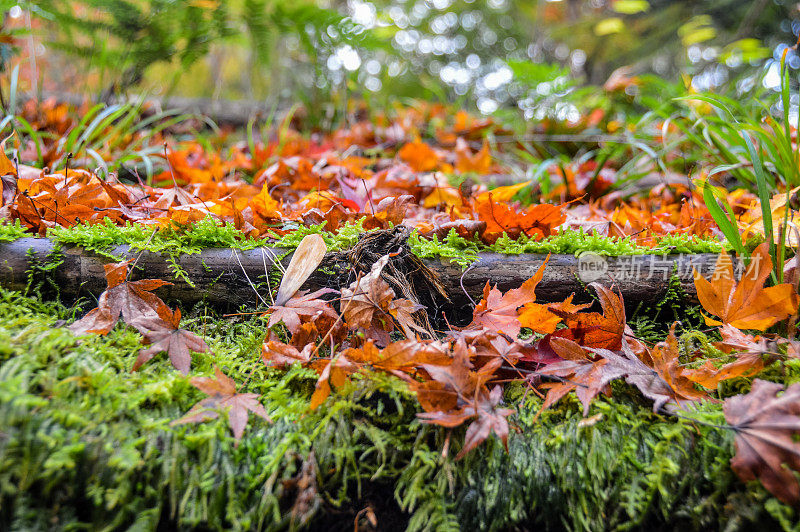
222 396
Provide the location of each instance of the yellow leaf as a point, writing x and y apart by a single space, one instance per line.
777 205
609 26
629 7
265 205
502 193
447 195
7 166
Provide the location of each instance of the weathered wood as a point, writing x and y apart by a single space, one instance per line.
235 113
227 276
638 278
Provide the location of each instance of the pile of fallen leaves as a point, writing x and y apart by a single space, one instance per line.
379 172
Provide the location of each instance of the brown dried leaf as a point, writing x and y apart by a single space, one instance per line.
365 304
302 308
164 333
129 299
579 372
222 395
767 425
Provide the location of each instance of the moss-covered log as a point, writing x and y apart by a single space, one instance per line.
228 276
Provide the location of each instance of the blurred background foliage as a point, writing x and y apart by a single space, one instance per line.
495 56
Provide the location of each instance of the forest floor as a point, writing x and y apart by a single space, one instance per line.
403 324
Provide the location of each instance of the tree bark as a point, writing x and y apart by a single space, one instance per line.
229 278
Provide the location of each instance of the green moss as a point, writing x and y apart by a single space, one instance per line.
86 441
575 242
86 444
454 247
344 237
10 231
174 240
464 252
629 469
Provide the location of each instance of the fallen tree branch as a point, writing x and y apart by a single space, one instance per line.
235 113
227 277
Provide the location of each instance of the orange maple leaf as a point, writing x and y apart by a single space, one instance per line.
746 304
537 221
517 308
419 156
592 329
466 161
752 354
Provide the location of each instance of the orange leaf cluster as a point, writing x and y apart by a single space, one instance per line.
381 172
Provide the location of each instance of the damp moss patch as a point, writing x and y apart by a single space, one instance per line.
176 239
85 443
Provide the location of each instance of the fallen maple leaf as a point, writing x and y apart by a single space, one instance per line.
280 355
592 329
419 156
129 299
400 358
488 419
479 163
504 313
483 407
657 374
767 427
588 376
403 310
222 395
334 372
536 221
542 318
746 304
164 333
309 307
457 394
392 210
7 167
451 379
751 354
369 303
365 303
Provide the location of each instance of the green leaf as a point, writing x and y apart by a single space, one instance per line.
630 7
726 222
